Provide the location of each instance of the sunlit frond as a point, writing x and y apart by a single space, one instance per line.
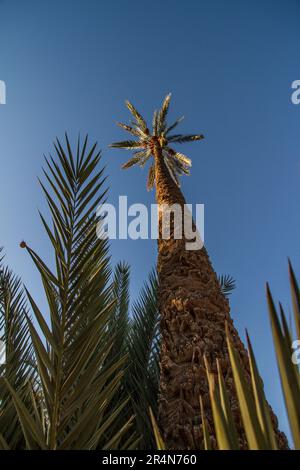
181 168
155 123
163 114
151 178
144 156
139 119
17 361
128 128
132 161
177 165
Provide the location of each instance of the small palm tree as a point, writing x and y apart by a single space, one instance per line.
192 306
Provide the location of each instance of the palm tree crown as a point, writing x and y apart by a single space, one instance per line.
143 147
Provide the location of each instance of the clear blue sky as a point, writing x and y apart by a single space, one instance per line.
69 65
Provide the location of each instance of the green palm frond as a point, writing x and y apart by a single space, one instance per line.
177 163
119 330
155 123
17 364
119 318
138 336
78 384
142 376
227 284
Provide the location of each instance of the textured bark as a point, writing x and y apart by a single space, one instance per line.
193 313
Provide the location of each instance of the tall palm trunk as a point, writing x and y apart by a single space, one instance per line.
193 313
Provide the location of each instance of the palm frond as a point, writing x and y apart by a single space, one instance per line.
119 318
180 139
131 162
227 284
155 123
161 119
77 382
175 124
17 365
144 156
126 144
127 128
186 161
139 119
142 376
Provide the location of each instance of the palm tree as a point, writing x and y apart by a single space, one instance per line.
192 307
